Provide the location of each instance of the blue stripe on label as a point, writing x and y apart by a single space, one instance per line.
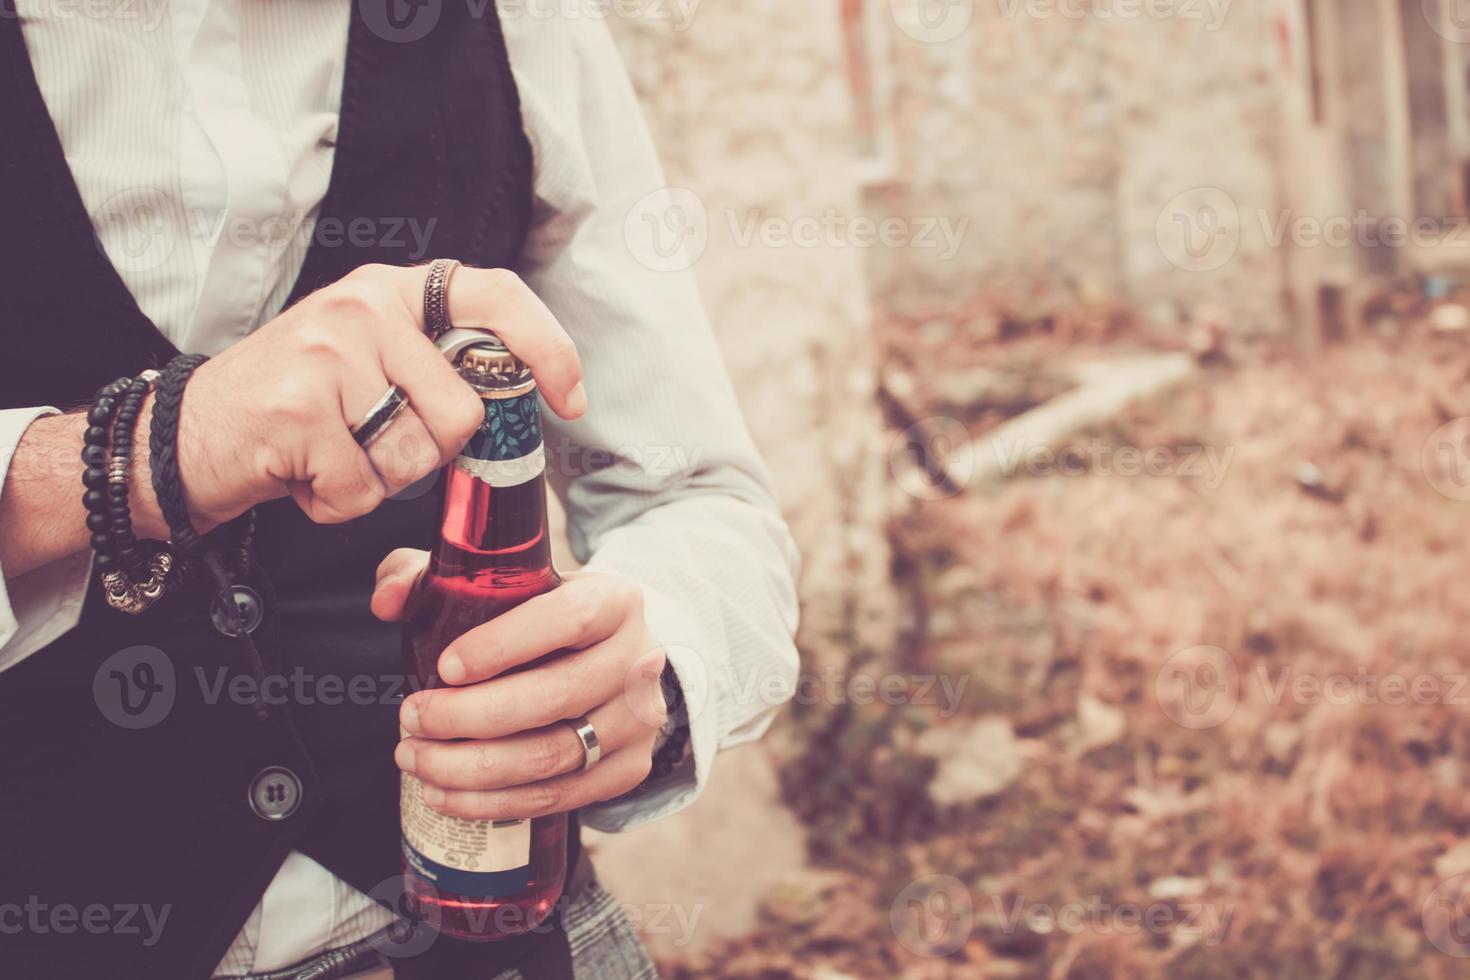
471 884
512 429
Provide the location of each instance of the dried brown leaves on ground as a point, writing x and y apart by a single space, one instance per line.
1235 684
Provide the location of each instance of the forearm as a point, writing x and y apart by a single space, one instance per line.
41 514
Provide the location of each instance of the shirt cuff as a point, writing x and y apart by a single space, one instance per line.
674 629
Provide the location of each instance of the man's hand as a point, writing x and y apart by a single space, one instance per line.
522 759
272 415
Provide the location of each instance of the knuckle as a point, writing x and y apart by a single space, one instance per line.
544 756
355 299
543 797
563 349
430 705
629 596
640 770
289 403
469 414
581 606
361 492
658 711
371 272
318 340
429 763
503 281
558 703
484 759
490 720
406 462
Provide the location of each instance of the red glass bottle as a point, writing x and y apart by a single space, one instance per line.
476 879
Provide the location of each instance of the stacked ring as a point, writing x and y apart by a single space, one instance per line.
436 297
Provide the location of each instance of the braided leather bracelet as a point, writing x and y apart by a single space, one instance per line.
164 453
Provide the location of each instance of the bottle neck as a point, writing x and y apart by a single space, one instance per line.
493 528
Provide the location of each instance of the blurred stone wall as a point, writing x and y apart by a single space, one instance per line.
752 117
1106 151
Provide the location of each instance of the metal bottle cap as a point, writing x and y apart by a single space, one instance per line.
494 371
485 362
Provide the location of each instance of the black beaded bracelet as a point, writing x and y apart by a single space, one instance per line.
164 453
133 561
94 475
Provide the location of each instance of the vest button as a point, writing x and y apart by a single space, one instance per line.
247 604
275 793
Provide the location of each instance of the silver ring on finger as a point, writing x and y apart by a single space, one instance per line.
380 416
436 297
591 747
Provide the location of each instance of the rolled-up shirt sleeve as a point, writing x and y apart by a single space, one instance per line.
661 481
45 602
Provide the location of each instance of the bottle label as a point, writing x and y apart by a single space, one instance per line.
507 450
472 858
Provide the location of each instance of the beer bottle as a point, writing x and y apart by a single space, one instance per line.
480 879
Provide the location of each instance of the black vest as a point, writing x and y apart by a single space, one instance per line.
126 779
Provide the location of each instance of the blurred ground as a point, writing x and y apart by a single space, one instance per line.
1214 721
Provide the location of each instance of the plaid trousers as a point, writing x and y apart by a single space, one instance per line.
604 946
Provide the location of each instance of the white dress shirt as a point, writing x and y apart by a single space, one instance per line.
201 134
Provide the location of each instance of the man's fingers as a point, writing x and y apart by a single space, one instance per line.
615 775
567 687
405 453
343 484
397 576
448 406
497 300
585 610
519 759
